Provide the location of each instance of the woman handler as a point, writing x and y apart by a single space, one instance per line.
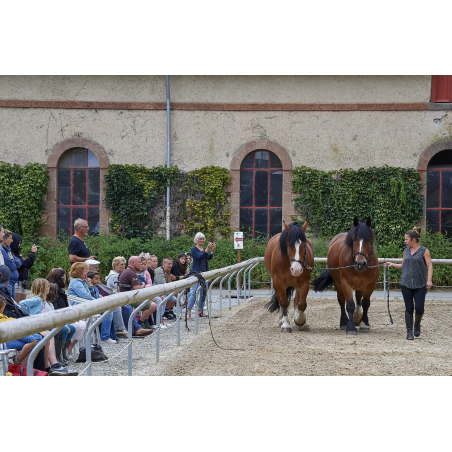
416 262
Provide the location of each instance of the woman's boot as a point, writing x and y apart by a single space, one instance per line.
417 324
58 353
409 326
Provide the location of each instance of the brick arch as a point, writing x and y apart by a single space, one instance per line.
422 165
288 210
50 213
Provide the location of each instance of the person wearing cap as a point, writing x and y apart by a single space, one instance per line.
93 265
78 249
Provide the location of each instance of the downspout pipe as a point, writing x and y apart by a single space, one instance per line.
168 156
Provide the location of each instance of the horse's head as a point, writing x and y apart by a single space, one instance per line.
360 239
293 245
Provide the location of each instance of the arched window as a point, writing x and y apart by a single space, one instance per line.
261 177
439 193
78 190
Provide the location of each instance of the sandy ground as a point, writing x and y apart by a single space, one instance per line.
319 348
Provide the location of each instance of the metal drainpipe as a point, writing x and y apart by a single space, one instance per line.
168 155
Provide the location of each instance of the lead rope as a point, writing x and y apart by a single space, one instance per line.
389 282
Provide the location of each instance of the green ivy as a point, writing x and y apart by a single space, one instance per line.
22 191
330 200
209 213
133 192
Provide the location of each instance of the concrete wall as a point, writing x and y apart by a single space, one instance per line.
254 89
323 140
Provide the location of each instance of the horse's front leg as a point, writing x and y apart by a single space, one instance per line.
284 322
359 309
300 304
350 306
364 326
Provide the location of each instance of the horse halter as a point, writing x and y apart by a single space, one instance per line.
368 257
303 263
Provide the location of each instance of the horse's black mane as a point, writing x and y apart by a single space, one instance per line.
360 232
290 238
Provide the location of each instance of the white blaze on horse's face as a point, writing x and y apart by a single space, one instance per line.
295 267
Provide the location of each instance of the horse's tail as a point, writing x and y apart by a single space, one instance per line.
323 281
273 304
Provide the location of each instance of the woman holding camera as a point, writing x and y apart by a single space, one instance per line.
22 284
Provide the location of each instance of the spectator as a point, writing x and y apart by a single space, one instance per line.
66 333
2 260
188 261
25 345
35 305
78 249
118 264
153 263
11 261
78 286
162 276
200 264
58 277
22 284
179 268
128 280
107 328
93 265
145 276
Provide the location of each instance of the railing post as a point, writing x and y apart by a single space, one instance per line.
221 293
239 289
157 334
88 339
229 288
198 289
384 282
179 315
209 298
42 343
249 279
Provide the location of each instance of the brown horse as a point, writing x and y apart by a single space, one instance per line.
355 250
287 258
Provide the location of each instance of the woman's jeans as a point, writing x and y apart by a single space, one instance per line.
68 332
192 295
419 299
18 344
107 328
118 320
11 288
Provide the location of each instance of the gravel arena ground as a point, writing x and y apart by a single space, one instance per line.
319 348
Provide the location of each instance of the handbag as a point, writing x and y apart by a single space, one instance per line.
21 371
97 354
106 289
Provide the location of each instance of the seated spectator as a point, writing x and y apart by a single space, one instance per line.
179 268
78 286
118 264
66 333
58 277
189 262
93 265
128 280
162 276
153 263
22 284
107 329
34 306
11 261
25 345
144 276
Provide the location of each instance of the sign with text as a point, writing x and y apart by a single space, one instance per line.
238 240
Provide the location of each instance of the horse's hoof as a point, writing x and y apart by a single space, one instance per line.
304 323
286 330
364 329
351 333
343 327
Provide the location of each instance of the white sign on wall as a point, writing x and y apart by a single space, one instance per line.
238 240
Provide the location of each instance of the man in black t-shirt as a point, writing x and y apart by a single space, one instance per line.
78 249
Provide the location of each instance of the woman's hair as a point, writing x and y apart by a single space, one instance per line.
53 292
183 267
142 258
144 255
77 269
56 276
117 260
414 233
92 274
39 288
2 300
198 236
151 256
6 233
